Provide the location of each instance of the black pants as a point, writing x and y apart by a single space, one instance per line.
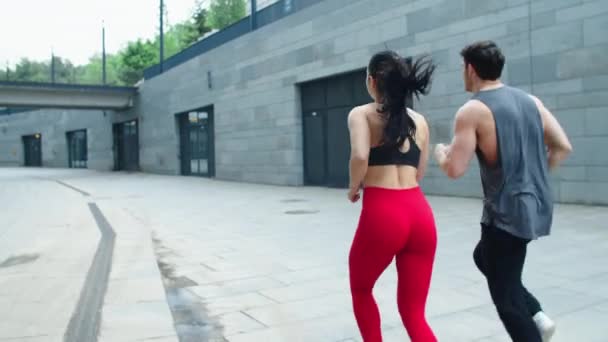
500 256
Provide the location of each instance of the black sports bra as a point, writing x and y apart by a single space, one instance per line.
391 155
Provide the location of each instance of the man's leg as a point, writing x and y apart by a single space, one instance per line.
544 323
503 257
532 303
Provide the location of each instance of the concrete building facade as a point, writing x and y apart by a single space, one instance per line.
252 91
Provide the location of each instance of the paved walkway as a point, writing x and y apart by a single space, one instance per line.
200 260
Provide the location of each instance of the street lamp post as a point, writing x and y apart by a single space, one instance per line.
254 14
103 53
52 66
162 39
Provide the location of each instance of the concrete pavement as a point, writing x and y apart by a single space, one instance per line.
203 260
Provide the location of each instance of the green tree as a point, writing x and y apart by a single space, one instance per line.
113 65
126 67
65 72
135 58
181 35
184 34
173 40
7 74
92 72
223 13
31 71
200 19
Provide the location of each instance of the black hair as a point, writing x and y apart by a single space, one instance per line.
486 58
397 80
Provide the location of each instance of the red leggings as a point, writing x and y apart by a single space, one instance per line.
393 224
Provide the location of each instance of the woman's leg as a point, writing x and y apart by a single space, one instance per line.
414 268
367 261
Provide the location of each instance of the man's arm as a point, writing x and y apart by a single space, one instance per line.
359 147
555 136
454 159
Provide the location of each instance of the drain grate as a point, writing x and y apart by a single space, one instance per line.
301 212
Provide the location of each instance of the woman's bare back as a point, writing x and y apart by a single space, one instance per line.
396 176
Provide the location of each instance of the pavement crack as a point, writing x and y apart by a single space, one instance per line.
80 191
208 267
253 318
268 297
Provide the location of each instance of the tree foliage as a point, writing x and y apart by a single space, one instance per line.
223 13
137 56
126 67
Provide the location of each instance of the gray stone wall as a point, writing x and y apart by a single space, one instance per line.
557 60
555 49
53 125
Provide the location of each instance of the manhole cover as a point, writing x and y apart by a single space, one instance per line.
301 212
293 200
19 260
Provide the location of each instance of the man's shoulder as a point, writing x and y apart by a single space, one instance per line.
473 110
474 105
523 95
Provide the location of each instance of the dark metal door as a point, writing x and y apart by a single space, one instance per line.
338 147
77 149
326 105
314 147
197 150
184 144
340 100
118 158
126 146
32 150
131 146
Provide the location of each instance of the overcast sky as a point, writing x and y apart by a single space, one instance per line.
30 28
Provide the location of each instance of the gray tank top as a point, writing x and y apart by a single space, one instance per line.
517 195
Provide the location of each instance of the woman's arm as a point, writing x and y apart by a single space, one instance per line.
359 147
422 140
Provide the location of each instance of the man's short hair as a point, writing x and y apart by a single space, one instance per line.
486 58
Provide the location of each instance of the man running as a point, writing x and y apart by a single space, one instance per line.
517 141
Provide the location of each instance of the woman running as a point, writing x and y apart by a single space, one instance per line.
389 153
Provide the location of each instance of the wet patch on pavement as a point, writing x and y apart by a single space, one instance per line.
190 316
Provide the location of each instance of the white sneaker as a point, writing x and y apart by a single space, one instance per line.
545 325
